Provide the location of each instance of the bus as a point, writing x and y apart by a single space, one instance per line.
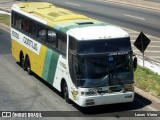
90 62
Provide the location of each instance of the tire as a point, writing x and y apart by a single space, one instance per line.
28 66
24 65
22 62
65 93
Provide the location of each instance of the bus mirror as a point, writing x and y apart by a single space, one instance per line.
134 62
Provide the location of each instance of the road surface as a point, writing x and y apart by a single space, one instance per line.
132 19
21 92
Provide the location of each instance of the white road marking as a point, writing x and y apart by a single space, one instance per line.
153 37
149 51
135 36
101 0
152 41
134 17
148 46
133 31
72 4
155 56
130 5
151 108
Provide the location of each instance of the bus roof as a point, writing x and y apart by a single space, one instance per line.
97 32
79 26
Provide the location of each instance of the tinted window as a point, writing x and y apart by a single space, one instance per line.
73 44
103 46
42 32
51 37
18 21
62 43
25 24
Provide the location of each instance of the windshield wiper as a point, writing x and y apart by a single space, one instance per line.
118 66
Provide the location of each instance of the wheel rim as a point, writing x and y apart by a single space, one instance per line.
65 92
28 67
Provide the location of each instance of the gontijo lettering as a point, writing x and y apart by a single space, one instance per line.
30 43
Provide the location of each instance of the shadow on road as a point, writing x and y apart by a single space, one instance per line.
139 102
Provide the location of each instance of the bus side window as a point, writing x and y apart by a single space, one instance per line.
62 43
18 21
26 25
13 19
42 33
51 37
72 44
33 28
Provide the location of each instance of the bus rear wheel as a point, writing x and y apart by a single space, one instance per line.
22 62
65 93
28 66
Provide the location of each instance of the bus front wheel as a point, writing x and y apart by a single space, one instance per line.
65 93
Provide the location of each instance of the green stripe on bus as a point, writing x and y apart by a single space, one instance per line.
50 66
46 64
65 29
68 23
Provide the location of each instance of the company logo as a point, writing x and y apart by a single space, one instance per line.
6 114
21 114
26 41
30 43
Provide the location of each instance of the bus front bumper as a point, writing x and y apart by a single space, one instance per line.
86 101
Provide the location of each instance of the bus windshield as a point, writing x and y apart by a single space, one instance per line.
93 71
104 46
102 63
105 70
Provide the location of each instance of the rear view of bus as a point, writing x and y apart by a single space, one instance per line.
101 64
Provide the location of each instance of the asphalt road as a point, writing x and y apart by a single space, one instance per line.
126 16
21 92
133 18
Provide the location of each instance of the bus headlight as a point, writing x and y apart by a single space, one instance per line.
128 87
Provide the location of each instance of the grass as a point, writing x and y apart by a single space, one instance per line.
147 81
5 19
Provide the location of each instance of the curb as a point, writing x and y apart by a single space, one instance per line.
146 95
5 10
147 58
4 27
132 4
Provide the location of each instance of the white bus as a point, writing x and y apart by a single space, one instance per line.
90 62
